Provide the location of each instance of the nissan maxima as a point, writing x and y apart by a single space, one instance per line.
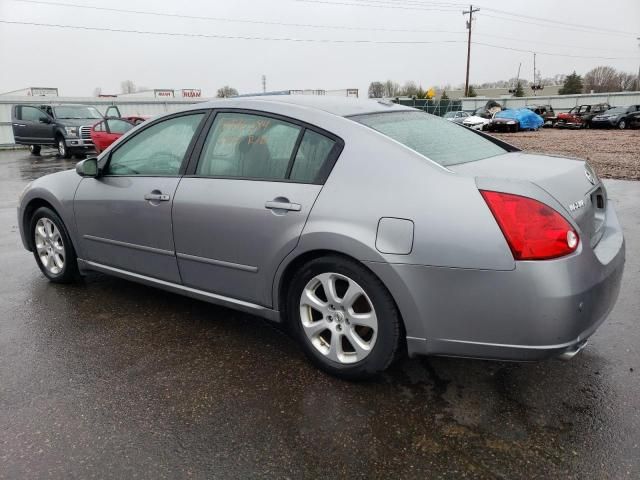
367 228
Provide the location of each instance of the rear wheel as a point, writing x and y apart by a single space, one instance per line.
34 149
52 247
63 150
344 318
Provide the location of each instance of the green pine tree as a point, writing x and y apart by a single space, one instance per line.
572 84
444 95
519 90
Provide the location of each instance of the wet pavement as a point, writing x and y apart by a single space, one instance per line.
110 379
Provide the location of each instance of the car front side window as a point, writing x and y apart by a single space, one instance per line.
157 150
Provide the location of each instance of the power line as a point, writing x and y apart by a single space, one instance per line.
446 9
232 20
416 5
552 54
299 40
230 37
573 28
302 25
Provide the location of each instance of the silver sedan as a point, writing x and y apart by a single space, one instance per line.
368 228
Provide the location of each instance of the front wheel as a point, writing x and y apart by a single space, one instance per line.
344 318
63 150
52 247
34 149
622 125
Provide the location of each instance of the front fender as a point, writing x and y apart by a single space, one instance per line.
58 191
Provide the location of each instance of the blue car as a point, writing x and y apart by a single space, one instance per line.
512 120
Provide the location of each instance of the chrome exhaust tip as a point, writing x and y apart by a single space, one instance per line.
569 354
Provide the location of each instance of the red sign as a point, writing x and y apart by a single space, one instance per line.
191 93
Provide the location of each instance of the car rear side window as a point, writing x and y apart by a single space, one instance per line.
311 156
157 150
248 146
446 143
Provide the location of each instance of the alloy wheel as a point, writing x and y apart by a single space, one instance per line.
49 245
62 148
338 318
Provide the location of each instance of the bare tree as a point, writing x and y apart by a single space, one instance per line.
391 89
97 91
627 81
410 89
127 86
226 92
376 90
602 79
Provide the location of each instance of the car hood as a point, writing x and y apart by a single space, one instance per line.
77 122
475 119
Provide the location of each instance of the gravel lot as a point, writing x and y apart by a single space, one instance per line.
613 153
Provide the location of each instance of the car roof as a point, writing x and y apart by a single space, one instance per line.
340 106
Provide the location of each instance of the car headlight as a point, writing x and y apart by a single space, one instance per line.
72 131
511 122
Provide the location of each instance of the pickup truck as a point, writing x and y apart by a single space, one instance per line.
66 127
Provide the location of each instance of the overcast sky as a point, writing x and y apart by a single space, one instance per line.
77 61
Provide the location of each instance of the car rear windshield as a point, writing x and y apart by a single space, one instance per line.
77 112
443 142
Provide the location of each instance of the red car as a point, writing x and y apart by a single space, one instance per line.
107 131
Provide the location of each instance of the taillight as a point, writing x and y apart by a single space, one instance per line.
533 230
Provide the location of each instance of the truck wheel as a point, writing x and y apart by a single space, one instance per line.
34 149
63 151
622 124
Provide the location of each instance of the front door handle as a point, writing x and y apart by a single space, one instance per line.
282 205
157 197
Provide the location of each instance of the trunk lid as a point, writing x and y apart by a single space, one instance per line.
570 181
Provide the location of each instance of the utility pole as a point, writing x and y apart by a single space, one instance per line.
638 82
264 84
534 73
470 12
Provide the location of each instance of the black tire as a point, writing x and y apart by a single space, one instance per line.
63 150
34 150
622 124
69 272
387 343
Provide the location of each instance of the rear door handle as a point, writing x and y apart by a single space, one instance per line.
157 197
276 205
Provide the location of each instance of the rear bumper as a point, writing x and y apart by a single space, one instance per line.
538 310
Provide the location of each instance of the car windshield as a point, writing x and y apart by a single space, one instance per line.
450 115
616 110
76 111
446 143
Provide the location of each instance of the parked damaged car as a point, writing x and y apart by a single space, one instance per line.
616 117
456 117
580 116
514 119
482 116
546 112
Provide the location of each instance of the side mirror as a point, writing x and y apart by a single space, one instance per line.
88 167
45 120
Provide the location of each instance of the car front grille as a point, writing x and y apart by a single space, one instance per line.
85 133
